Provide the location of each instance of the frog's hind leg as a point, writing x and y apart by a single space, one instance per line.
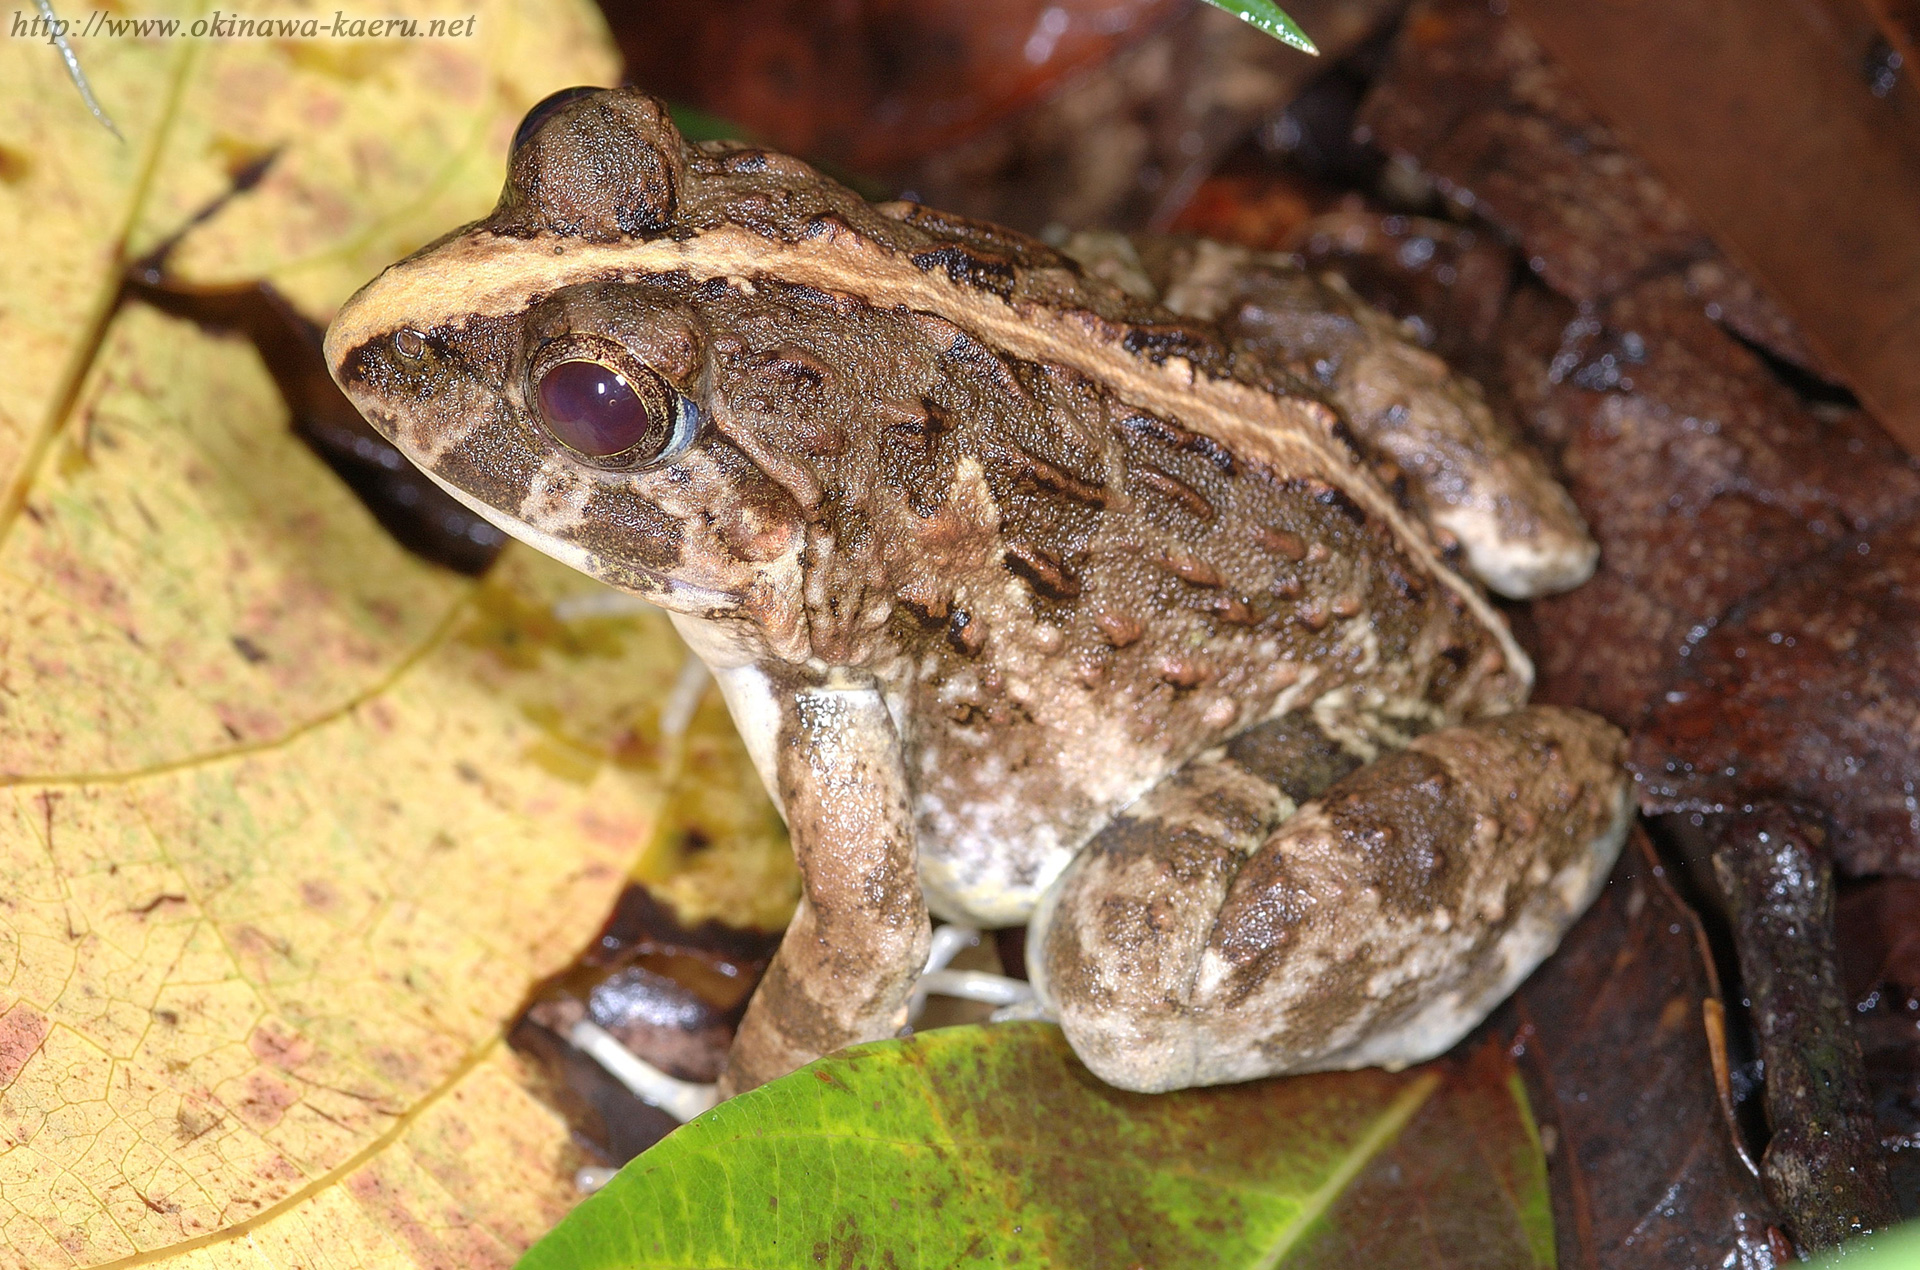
1214 933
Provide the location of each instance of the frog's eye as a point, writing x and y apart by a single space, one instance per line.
617 418
544 109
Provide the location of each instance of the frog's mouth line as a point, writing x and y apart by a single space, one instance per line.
668 592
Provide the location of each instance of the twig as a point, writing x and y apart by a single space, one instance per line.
1823 1165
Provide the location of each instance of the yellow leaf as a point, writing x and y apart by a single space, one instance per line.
290 822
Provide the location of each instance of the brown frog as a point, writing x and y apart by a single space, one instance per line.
1034 598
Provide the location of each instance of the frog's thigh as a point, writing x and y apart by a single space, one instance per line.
1376 925
859 937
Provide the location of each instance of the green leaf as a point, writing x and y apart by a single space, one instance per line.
699 125
992 1144
1896 1249
1269 17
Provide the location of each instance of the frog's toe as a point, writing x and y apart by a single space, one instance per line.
1374 927
1543 552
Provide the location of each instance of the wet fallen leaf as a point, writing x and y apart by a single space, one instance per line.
1812 183
1808 691
289 821
992 1142
1617 1033
1880 948
868 85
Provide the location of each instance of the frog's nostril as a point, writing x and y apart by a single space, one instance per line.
592 408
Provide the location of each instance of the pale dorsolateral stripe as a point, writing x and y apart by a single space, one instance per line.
485 275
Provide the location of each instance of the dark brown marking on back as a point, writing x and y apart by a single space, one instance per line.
1051 477
968 268
1164 431
1183 671
1294 755
1171 487
971 352
1328 496
1172 434
827 225
1232 610
792 365
965 633
1402 823
1160 341
924 426
1041 570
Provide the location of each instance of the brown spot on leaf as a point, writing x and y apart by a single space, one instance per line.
22 1031
276 1046
264 1100
15 165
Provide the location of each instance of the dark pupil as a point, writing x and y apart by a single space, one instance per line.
592 409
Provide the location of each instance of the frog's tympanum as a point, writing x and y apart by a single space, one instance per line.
1130 609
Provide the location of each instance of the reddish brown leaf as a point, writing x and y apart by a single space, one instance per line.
1615 1049
1879 940
1810 692
872 83
1762 117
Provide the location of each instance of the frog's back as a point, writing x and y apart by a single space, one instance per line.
1074 540
1084 591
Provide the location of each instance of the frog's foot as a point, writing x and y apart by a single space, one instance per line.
1209 936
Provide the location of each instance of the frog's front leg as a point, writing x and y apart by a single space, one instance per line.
1214 934
859 937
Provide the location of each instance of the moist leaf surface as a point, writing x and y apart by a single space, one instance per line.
993 1144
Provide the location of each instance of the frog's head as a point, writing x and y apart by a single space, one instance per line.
530 364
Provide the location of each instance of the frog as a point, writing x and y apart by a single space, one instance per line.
1042 591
